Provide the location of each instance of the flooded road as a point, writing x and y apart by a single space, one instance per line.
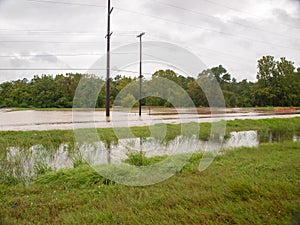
67 120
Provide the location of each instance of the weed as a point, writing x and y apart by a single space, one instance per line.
138 158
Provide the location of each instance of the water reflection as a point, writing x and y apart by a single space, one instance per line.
279 136
296 138
242 139
38 159
25 164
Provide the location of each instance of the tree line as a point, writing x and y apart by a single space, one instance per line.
278 84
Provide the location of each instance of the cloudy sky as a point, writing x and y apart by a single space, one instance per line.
65 34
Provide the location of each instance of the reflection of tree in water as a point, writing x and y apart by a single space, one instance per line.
108 152
276 136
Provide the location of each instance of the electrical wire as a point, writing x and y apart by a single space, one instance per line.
49 55
178 22
127 33
65 55
155 38
52 42
208 29
70 69
66 3
232 22
244 12
48 31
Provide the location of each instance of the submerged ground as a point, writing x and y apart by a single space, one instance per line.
68 119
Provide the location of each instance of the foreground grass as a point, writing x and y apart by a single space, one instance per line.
244 186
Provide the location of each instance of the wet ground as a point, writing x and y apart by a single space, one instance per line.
65 120
27 164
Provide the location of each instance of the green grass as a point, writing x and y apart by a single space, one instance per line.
244 186
139 159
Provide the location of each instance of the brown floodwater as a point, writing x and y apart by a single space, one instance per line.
67 120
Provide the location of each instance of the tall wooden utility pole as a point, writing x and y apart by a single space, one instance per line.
108 35
141 76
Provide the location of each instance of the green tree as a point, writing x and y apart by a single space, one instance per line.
128 101
196 94
276 82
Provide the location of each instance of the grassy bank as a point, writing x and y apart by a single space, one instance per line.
244 186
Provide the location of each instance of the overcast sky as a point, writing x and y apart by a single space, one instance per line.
45 34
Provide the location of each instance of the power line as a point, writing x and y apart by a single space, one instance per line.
242 11
49 55
264 42
99 54
49 35
70 69
209 1
233 22
226 6
47 31
63 42
207 29
66 55
96 54
133 32
194 26
49 69
207 49
113 53
66 3
50 42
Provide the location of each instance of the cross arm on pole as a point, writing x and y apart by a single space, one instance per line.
141 34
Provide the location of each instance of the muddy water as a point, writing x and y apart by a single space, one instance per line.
66 120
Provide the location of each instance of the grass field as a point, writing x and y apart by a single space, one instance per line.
244 186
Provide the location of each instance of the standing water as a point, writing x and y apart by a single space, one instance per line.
26 164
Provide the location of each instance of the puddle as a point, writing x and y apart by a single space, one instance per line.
27 164
271 137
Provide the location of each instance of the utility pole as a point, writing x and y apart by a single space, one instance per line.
140 99
108 35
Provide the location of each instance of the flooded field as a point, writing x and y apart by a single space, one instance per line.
67 120
26 164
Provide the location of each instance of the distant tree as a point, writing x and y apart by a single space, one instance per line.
87 93
6 94
278 84
276 81
168 74
197 94
128 101
221 74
